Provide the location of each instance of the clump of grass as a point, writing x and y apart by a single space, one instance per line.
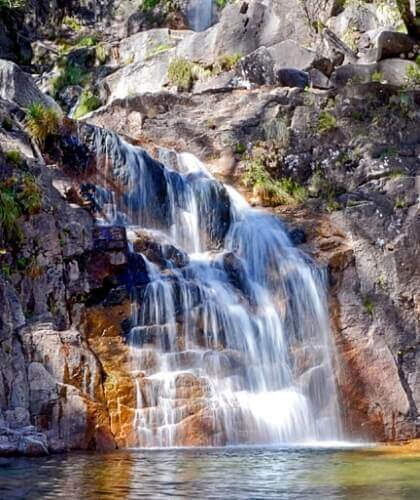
160 49
401 202
30 195
10 211
240 149
368 305
101 54
41 122
228 61
12 4
272 192
14 157
326 122
377 76
412 76
72 23
181 74
7 124
69 75
148 5
87 41
88 102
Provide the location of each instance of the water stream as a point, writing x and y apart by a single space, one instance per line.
230 336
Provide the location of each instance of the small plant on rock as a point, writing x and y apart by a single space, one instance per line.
7 124
14 158
377 76
30 195
10 211
180 74
368 305
88 102
326 122
41 122
70 75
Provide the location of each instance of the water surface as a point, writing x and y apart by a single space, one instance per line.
230 473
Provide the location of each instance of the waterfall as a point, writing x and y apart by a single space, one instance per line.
230 338
200 14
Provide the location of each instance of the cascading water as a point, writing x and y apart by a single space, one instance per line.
199 14
230 336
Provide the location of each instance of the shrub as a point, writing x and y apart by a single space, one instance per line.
180 74
14 158
41 122
326 121
69 75
88 102
400 202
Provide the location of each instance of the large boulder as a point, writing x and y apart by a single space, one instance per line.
244 27
391 71
393 44
19 87
289 54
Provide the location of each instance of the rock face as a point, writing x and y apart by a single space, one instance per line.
66 374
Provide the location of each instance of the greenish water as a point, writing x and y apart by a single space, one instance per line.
232 473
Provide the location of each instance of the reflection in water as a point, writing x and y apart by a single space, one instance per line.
234 473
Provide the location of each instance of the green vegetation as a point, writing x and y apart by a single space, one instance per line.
101 54
88 102
368 305
69 75
180 74
412 76
160 49
7 124
148 5
326 122
18 197
401 202
284 191
377 76
30 195
227 62
240 149
222 3
72 23
14 157
10 211
87 41
41 122
12 4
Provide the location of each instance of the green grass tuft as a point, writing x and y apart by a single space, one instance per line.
180 74
41 122
14 158
88 102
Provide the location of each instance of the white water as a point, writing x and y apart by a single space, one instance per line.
231 345
199 14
